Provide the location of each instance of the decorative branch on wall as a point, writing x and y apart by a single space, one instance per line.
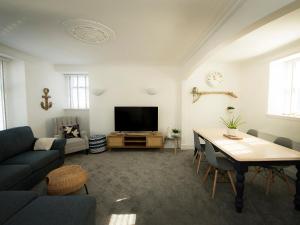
197 94
46 104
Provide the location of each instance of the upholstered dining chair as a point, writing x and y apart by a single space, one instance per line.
73 144
272 171
253 132
199 150
217 163
279 170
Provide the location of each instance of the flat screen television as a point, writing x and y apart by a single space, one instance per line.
136 118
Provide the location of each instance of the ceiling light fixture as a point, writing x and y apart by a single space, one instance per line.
89 31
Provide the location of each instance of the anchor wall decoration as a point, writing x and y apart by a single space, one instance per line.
46 104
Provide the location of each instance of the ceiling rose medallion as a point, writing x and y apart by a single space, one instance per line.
89 31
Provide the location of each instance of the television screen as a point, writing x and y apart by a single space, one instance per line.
136 118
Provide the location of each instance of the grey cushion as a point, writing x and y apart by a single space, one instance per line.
57 210
14 141
36 159
14 201
12 174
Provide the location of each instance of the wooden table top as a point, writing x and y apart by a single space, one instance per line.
249 148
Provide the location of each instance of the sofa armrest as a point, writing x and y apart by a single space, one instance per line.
57 136
59 144
85 137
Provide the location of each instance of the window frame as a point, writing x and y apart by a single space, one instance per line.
2 89
291 62
69 105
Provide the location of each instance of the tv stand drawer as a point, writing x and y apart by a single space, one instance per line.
115 141
154 141
142 140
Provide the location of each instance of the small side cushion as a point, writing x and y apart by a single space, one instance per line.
57 210
36 159
12 174
12 202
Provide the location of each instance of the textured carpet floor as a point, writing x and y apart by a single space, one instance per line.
163 189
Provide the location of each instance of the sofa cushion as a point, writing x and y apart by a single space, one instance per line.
12 174
14 201
57 210
35 159
75 144
14 141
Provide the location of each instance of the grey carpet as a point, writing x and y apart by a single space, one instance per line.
163 189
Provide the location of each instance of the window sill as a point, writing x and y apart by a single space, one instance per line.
76 109
287 117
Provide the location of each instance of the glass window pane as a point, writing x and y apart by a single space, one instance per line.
2 106
74 98
81 98
296 89
279 88
81 81
78 92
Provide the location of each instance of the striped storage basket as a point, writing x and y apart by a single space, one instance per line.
97 143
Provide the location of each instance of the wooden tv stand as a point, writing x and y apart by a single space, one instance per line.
135 140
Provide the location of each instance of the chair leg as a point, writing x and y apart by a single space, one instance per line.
231 181
195 157
269 181
257 171
214 185
206 173
286 180
199 162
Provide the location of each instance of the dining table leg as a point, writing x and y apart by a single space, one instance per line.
297 195
241 169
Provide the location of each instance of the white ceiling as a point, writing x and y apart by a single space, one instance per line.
271 36
147 31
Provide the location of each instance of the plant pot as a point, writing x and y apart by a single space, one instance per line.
232 132
230 110
175 135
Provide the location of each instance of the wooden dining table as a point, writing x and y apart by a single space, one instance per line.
252 151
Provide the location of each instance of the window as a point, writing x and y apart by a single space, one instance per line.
284 87
2 101
77 86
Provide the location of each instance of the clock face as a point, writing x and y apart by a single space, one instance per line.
214 79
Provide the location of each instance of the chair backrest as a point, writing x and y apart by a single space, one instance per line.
197 142
286 142
210 154
14 141
59 122
253 132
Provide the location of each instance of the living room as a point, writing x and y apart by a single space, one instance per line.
194 63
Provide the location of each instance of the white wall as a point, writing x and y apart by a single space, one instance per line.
206 112
254 95
40 75
125 86
26 78
15 94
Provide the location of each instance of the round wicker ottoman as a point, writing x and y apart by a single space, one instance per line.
66 180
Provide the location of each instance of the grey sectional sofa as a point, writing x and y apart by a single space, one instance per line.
21 167
27 208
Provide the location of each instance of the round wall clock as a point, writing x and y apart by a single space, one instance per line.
214 79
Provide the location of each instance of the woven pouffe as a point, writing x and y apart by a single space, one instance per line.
97 143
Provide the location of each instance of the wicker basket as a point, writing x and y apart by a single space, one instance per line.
66 180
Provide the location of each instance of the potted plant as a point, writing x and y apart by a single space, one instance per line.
176 132
230 109
232 125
